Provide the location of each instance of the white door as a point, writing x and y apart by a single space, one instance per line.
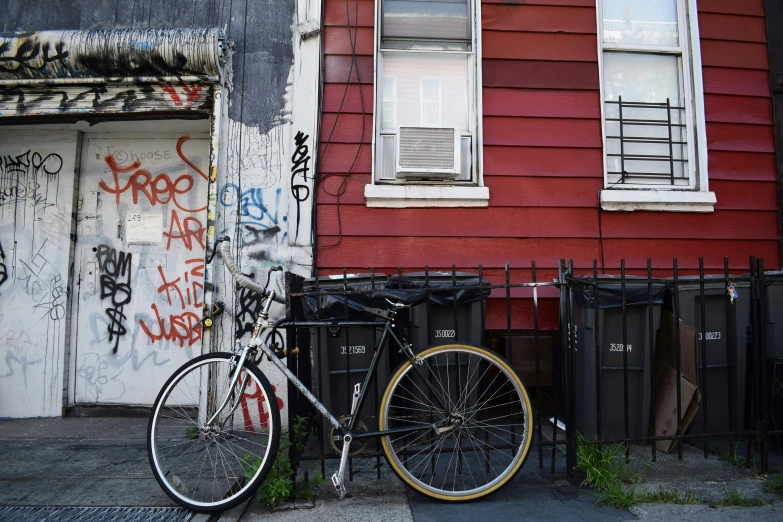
139 261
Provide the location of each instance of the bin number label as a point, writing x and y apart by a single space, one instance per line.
449 334
711 336
618 347
352 350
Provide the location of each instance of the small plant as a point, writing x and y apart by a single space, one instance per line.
192 433
663 496
604 466
278 486
619 497
735 498
733 457
774 484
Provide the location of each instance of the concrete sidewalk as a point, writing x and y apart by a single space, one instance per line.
101 463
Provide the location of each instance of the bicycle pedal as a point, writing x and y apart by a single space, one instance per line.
339 486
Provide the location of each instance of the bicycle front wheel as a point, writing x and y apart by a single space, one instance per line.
474 419
210 462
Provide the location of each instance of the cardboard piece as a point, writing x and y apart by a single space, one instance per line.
666 380
666 405
665 346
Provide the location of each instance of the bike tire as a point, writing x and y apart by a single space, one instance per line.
462 376
240 446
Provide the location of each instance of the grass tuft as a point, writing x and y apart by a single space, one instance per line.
735 498
774 484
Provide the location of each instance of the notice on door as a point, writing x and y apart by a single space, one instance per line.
143 228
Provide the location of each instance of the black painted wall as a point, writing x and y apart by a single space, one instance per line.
259 29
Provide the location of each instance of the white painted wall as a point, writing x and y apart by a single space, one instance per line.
36 204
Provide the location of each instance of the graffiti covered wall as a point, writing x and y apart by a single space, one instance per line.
36 204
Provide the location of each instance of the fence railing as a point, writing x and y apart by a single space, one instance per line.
686 356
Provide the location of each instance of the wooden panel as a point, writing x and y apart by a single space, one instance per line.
745 194
542 132
503 222
721 225
539 46
513 191
540 74
335 12
336 40
555 162
736 28
741 7
522 316
334 93
552 104
416 252
744 166
347 128
540 19
336 68
353 189
340 156
741 55
741 82
750 138
687 252
737 109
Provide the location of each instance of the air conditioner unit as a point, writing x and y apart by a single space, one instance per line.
428 152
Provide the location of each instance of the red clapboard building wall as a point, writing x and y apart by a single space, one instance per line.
542 146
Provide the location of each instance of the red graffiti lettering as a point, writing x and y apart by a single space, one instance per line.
160 189
193 288
172 92
263 415
186 231
184 328
193 92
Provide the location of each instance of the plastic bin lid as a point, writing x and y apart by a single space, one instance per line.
328 305
590 293
443 286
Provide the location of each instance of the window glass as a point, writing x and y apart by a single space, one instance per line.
389 109
417 76
426 19
651 146
649 22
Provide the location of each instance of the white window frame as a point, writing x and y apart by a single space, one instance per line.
695 197
403 194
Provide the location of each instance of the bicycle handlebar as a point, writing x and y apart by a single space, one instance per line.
241 279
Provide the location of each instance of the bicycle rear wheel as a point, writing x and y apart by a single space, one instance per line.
475 419
213 466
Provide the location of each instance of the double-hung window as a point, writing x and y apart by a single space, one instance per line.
427 138
655 152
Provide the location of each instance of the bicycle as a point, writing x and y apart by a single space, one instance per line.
455 420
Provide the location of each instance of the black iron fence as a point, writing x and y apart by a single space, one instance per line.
690 356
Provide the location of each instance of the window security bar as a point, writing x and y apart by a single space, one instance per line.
626 139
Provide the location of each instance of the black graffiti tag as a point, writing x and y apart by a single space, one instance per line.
249 306
115 270
300 167
3 269
30 54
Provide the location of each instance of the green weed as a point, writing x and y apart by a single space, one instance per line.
663 496
735 498
604 465
733 457
774 484
192 433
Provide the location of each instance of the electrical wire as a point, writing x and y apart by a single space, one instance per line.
353 38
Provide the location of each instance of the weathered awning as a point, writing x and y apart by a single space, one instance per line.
123 71
114 55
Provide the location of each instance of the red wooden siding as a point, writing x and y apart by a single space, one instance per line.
543 158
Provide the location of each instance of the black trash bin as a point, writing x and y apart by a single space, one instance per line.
334 349
773 304
726 357
605 300
453 313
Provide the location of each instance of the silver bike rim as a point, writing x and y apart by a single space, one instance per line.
430 453
219 458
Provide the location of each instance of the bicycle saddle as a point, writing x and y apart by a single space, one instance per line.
403 297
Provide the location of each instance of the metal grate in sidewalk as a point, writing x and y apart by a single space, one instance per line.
93 514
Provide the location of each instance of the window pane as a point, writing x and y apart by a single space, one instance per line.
387 159
651 145
426 19
651 22
389 109
417 76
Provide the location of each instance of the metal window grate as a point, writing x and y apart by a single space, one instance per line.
665 115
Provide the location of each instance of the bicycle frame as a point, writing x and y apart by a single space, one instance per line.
293 379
